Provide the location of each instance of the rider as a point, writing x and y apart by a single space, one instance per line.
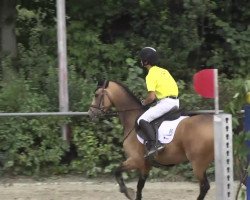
162 88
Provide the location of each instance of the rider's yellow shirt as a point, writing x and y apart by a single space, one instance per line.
161 82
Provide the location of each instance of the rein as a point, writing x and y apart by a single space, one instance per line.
115 113
102 109
126 136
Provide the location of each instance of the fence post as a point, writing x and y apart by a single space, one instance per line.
62 62
223 157
247 128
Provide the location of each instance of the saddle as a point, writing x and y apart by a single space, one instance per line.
171 115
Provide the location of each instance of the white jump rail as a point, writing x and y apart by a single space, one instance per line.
37 114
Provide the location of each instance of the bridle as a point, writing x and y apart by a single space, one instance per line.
102 108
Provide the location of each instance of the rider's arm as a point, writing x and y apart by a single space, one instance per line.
151 97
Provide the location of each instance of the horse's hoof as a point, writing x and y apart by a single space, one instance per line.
130 194
138 198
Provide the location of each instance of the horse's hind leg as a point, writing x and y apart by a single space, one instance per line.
204 187
200 173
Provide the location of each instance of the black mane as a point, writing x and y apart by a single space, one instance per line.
128 91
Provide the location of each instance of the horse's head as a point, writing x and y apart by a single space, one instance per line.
101 101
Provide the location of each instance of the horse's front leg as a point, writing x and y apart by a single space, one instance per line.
130 164
140 185
129 192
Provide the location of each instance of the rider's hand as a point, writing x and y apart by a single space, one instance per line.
142 102
144 106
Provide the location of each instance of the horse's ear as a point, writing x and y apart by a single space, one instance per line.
106 84
100 83
103 84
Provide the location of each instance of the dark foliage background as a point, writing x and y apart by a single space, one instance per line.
104 38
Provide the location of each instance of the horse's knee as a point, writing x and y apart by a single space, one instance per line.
125 166
135 163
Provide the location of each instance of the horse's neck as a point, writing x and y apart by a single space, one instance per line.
128 119
128 109
128 114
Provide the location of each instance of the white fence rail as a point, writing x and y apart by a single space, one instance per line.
37 114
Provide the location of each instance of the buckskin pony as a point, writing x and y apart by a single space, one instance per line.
193 140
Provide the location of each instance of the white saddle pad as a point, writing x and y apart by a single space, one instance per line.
166 130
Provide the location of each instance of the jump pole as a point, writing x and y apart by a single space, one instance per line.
223 149
206 84
223 157
247 128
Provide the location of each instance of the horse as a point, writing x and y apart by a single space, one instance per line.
193 140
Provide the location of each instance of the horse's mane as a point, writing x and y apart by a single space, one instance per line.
131 94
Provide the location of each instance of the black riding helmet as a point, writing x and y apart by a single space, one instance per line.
148 55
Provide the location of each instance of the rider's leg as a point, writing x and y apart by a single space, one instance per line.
149 132
162 107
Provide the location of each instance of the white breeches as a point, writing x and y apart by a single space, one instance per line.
162 107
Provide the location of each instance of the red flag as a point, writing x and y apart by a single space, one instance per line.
203 82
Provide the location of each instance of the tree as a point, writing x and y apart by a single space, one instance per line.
8 14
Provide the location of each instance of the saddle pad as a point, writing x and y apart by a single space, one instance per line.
166 130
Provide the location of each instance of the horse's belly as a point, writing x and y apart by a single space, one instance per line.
172 154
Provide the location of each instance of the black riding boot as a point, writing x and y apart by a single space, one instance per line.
149 132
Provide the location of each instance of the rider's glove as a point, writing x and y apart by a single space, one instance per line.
144 106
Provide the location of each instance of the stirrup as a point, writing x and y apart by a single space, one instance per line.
154 150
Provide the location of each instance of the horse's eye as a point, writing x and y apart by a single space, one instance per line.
96 95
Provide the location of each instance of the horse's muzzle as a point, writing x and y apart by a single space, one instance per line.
94 113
